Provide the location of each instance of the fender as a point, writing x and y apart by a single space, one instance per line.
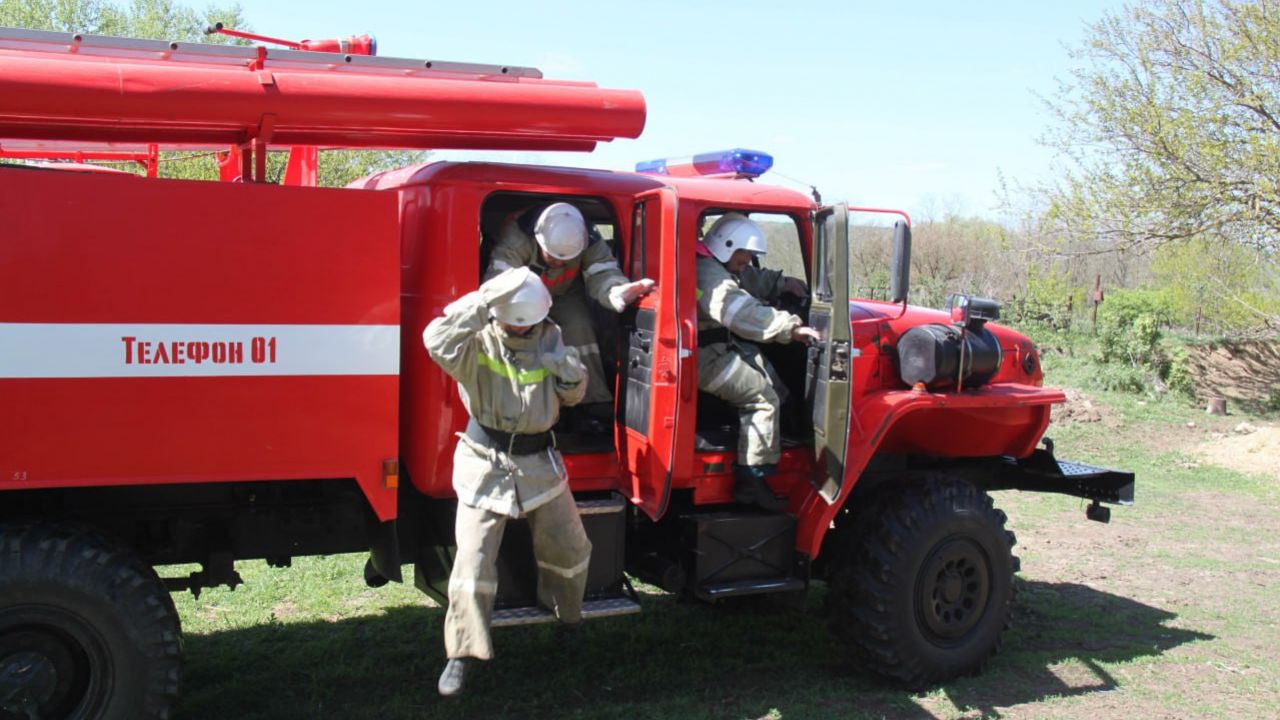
1001 419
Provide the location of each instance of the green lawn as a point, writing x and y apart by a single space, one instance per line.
1169 611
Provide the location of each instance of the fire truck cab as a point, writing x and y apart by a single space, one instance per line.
670 447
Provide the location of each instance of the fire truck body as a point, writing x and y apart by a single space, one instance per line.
208 372
194 333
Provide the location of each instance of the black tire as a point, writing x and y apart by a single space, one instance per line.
921 588
87 630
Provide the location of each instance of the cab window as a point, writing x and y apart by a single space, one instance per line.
783 236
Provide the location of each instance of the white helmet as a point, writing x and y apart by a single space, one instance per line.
561 231
528 305
733 231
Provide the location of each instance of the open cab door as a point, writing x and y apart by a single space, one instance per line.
827 384
658 358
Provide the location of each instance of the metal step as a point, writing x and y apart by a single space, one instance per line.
602 506
1098 483
740 588
1042 472
591 610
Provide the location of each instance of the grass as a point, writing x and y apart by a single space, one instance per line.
1166 612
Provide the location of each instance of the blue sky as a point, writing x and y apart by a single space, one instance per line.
917 105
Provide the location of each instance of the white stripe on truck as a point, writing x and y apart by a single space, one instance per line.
119 350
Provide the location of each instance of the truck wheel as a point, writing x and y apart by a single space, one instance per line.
921 590
87 630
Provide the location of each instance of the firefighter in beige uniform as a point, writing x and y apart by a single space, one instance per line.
731 318
513 372
554 243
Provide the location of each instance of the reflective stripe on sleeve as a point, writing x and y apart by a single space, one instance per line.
524 377
584 350
734 307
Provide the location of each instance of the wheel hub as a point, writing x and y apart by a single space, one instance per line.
952 589
26 678
952 586
42 672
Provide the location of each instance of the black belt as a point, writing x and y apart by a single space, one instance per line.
514 443
711 336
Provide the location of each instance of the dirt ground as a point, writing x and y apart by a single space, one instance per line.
1249 448
1168 611
1082 408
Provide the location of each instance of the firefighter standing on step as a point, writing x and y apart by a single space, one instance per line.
553 242
732 316
513 372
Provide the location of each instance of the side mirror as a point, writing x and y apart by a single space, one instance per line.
900 267
972 312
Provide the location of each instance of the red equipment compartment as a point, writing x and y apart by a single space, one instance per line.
50 87
300 286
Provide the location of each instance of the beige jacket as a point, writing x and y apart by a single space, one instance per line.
596 266
511 383
737 302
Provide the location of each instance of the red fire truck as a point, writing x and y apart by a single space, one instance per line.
209 372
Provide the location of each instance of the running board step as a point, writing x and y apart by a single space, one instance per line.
591 610
1042 472
749 587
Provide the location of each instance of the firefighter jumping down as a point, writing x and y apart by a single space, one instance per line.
554 243
514 372
732 316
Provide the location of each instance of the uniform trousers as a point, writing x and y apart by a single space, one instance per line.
741 376
563 554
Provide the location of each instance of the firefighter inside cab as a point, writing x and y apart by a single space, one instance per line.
734 314
553 241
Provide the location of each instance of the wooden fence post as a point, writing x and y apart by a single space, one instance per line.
1097 300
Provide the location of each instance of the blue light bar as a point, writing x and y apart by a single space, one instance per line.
737 162
652 167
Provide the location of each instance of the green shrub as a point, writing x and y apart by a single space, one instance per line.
1119 378
1272 403
1179 376
1135 343
1130 323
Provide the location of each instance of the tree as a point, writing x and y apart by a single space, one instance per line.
1228 289
1171 127
167 20
159 19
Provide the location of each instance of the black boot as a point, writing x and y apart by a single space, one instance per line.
751 488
